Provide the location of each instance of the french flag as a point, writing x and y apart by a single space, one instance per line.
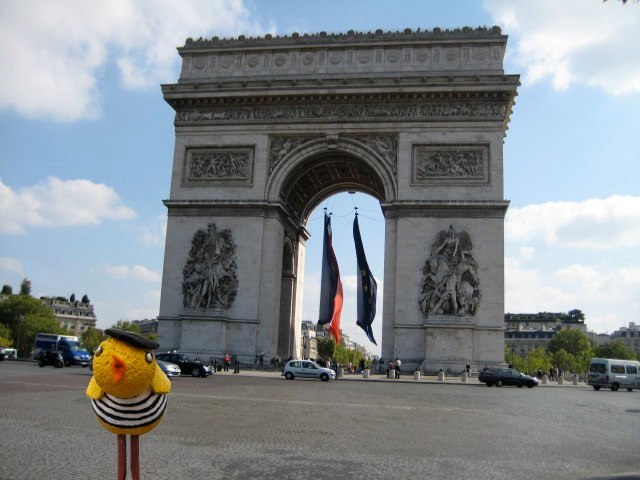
330 286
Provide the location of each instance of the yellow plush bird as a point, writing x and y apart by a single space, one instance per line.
128 390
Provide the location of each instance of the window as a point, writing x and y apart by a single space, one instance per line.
617 368
295 364
632 369
597 368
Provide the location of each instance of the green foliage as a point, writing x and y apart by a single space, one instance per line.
25 287
572 341
576 314
7 290
24 332
326 348
530 362
17 307
92 337
5 336
128 326
615 350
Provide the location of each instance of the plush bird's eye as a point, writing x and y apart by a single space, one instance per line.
97 351
149 357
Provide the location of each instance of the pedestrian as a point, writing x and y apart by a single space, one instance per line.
391 371
237 365
227 362
397 368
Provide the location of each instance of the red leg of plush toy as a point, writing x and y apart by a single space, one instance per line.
135 457
122 457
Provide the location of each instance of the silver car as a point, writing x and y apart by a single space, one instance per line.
307 369
169 369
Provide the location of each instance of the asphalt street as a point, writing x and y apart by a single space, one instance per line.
256 425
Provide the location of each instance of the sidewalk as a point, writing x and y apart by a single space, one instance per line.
405 378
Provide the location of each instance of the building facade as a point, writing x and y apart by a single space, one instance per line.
73 315
630 336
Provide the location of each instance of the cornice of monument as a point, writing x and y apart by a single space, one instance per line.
350 37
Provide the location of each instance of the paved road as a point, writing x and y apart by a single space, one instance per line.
261 426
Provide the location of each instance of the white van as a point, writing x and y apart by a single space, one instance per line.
614 374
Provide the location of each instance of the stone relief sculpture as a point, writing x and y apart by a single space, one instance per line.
384 145
450 284
401 111
280 147
219 165
209 276
453 163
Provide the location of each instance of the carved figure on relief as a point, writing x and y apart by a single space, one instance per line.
450 284
454 163
219 165
209 276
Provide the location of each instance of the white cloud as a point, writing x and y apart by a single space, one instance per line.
596 223
58 50
12 265
154 234
136 272
58 203
574 41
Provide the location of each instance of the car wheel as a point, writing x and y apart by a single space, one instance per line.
519 386
289 376
195 372
40 364
85 366
324 377
629 389
499 383
489 384
530 385
596 387
59 364
615 387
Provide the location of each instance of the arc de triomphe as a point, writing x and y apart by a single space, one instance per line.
267 128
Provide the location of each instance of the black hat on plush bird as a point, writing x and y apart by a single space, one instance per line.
132 339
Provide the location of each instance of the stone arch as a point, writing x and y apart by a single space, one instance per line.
320 168
260 141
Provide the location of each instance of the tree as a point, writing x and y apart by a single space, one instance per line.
570 340
92 337
565 361
128 326
576 314
25 316
615 350
326 348
25 287
7 290
5 336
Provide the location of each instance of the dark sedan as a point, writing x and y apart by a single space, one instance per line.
187 366
506 376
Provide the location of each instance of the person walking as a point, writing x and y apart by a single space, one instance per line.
227 362
237 365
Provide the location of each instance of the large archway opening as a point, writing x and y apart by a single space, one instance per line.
372 229
341 182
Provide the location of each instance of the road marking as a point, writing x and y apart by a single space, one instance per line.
43 384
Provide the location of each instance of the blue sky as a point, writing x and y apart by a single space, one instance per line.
86 145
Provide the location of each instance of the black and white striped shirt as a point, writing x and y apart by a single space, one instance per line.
129 413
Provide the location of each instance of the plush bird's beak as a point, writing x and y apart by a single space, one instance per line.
118 368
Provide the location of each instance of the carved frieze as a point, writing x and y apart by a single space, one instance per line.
450 285
450 164
451 110
204 166
209 277
385 145
281 146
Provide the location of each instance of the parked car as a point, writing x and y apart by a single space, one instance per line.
187 366
169 369
506 376
307 369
